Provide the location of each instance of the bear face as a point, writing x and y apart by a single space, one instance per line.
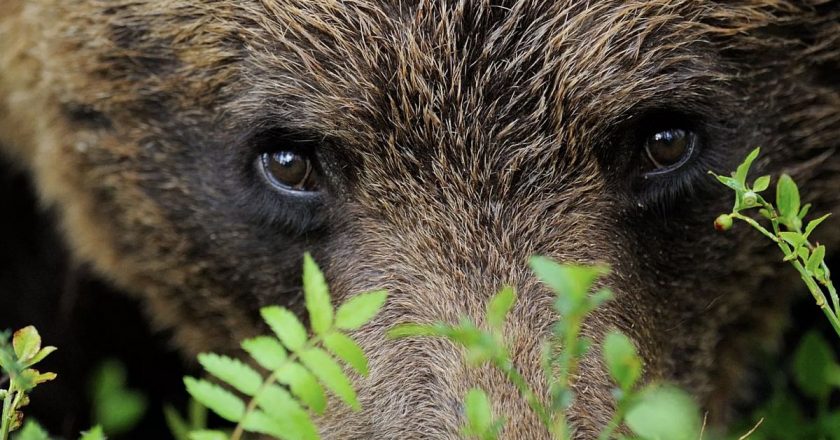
195 150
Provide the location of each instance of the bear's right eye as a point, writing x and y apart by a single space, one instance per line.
289 170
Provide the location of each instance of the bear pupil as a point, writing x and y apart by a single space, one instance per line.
667 147
289 169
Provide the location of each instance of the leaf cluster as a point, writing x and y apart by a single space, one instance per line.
295 369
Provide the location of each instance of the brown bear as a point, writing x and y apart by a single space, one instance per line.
195 149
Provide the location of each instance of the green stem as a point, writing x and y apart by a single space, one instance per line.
270 380
533 401
7 415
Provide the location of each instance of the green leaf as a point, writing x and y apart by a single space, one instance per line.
217 399
259 422
32 431
570 282
267 351
804 211
794 238
787 197
814 223
479 415
730 182
95 433
812 365
816 258
232 371
282 407
744 168
176 424
115 407
664 413
347 350
761 184
286 326
360 309
303 385
208 435
499 306
622 360
27 343
329 373
43 353
317 296
413 330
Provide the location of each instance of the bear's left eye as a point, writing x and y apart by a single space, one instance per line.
289 170
669 149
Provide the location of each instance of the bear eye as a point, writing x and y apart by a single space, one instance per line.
289 170
669 149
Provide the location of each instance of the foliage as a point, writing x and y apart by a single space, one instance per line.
115 408
786 220
16 361
644 409
281 402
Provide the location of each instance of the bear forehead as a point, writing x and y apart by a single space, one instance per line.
437 74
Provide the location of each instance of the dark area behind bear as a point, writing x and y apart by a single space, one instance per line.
91 322
88 321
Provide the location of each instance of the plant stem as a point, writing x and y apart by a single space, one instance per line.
270 380
531 397
7 415
615 422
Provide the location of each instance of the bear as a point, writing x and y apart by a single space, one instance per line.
193 151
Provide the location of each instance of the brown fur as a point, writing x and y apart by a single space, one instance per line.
458 138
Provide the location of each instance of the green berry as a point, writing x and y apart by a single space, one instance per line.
723 222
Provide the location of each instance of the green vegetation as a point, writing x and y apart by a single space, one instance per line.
303 365
290 372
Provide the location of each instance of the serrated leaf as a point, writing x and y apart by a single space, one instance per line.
304 385
330 374
260 423
812 363
499 306
282 407
26 343
286 326
217 399
208 435
622 360
360 309
346 349
816 258
232 371
814 223
744 168
664 413
787 197
761 184
267 351
30 378
94 433
317 296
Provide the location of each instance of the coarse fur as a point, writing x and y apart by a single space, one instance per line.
456 139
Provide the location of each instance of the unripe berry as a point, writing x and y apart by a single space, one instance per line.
723 222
